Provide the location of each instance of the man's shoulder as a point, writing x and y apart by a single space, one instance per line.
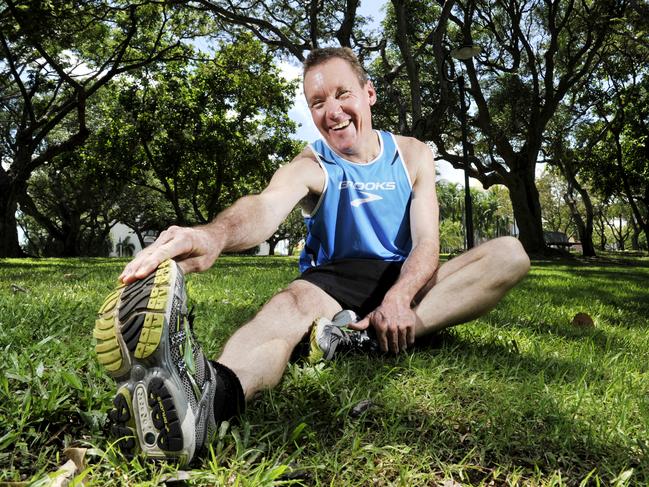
413 149
306 168
306 154
305 160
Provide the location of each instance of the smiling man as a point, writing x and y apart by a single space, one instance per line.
371 251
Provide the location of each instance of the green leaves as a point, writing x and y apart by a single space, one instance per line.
209 132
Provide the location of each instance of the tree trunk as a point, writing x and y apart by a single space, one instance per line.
140 237
584 229
586 238
9 245
628 192
527 211
635 236
71 239
271 246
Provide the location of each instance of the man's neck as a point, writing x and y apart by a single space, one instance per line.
368 152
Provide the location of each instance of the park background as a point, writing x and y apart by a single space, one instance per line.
152 113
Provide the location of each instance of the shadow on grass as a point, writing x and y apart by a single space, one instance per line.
605 260
474 423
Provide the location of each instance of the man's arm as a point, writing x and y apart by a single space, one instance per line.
394 320
248 222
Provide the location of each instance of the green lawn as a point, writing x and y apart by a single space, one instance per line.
519 397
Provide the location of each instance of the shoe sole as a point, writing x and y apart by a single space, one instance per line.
132 335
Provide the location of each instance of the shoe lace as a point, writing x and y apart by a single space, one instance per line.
184 339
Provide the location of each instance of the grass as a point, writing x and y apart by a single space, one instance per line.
519 397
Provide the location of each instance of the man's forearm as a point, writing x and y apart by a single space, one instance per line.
248 222
417 270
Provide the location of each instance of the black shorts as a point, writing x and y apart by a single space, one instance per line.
357 284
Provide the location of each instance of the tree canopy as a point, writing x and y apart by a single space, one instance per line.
202 130
54 56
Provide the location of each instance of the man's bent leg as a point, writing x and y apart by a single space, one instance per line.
259 351
471 284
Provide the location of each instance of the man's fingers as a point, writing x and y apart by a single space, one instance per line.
410 336
383 339
139 271
170 244
394 339
143 265
403 339
360 325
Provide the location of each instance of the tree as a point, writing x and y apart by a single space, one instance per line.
451 236
204 134
295 27
450 197
54 56
291 229
533 54
143 211
610 150
81 194
556 215
626 171
617 217
125 247
67 198
570 141
492 213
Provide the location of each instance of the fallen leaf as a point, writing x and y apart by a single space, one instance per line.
583 319
360 408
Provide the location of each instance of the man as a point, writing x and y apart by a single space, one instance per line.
372 246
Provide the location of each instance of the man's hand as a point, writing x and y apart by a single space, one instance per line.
394 322
193 248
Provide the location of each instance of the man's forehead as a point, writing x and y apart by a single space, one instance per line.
318 78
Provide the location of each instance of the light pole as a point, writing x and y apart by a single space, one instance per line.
462 54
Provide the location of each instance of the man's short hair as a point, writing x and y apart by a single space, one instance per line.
322 55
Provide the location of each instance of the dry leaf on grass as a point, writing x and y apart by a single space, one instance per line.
583 319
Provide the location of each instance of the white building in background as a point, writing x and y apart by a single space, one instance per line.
125 242
280 249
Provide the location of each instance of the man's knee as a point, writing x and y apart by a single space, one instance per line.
295 307
301 299
510 258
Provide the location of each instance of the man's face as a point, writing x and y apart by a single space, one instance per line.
340 106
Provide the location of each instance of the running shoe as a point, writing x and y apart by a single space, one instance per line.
164 406
330 337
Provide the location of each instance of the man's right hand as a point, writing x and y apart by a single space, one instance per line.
194 249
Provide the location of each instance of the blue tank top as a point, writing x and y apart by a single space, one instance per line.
364 209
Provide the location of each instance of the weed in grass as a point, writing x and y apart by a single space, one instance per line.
518 397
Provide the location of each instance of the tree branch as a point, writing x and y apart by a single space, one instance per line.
249 22
14 72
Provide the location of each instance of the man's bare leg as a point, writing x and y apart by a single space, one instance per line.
259 351
471 284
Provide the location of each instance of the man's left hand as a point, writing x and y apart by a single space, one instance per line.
394 322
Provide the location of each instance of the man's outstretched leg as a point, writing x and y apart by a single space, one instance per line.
167 402
170 398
